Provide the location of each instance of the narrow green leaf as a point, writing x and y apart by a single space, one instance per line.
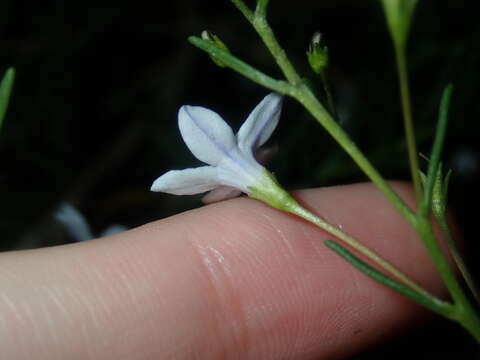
439 209
437 147
5 89
452 247
433 303
446 183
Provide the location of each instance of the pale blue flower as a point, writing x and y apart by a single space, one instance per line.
232 167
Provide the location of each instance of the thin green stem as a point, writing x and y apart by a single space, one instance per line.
435 186
293 207
408 118
311 103
465 312
298 90
244 9
242 67
265 32
272 193
303 94
441 307
442 221
261 9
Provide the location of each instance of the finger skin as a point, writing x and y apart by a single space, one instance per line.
231 280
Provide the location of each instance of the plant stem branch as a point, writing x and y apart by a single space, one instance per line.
465 313
242 67
294 208
261 9
311 103
244 9
442 221
265 32
408 118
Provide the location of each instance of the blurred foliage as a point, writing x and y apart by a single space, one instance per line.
93 115
6 84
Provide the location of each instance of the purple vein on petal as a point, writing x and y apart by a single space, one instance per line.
223 141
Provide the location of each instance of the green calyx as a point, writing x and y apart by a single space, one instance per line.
271 192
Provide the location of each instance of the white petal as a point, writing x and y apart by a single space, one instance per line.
74 222
113 229
261 122
188 181
220 193
206 134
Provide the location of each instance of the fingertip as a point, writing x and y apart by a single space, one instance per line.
235 279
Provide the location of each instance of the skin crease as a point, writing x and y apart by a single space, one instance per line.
231 280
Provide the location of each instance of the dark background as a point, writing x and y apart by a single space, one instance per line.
93 114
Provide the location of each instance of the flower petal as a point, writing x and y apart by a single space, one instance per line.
74 222
220 193
206 134
261 122
113 229
188 181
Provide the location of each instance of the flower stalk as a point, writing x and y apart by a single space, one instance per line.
408 119
275 196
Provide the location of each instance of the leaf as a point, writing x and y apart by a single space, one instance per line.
433 303
5 90
434 164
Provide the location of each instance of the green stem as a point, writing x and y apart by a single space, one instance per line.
271 192
465 312
311 103
303 94
442 221
434 185
408 118
294 208
305 97
244 9
242 67
265 31
261 9
298 90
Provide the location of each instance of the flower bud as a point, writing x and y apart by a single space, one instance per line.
214 39
317 54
